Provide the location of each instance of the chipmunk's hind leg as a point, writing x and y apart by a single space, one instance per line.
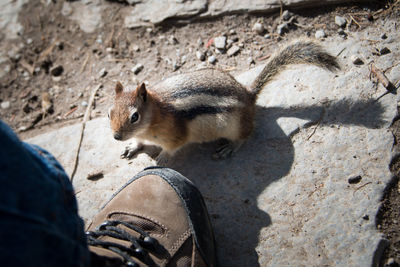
227 149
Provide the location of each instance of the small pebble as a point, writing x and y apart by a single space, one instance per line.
355 179
72 106
29 41
56 78
341 32
232 32
233 50
137 68
286 15
135 48
84 104
258 28
200 55
5 104
384 51
220 42
172 39
212 59
366 217
57 71
356 60
340 21
320 34
391 263
250 61
282 28
267 36
384 36
103 72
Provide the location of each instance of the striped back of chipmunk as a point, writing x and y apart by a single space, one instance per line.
202 92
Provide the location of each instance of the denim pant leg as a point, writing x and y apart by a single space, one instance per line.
39 221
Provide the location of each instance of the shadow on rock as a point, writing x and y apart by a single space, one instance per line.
231 187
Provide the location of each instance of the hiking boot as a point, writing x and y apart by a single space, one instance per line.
157 219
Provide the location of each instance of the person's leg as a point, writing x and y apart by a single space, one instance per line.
159 213
39 223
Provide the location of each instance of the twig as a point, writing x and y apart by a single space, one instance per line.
263 57
70 112
341 51
85 63
47 51
382 78
27 66
313 132
86 117
358 188
281 8
355 21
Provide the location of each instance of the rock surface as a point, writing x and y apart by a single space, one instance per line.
284 199
154 12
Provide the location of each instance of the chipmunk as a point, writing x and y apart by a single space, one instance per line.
202 106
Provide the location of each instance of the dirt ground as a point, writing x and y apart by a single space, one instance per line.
54 63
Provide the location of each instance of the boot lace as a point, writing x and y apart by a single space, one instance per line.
139 247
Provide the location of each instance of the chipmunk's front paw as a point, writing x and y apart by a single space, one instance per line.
227 149
162 158
131 151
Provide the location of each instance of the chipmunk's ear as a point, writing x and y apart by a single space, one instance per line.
118 89
142 92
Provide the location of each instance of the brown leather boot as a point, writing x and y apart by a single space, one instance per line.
157 219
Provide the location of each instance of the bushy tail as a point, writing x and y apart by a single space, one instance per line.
301 52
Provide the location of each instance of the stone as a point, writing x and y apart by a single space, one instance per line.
384 36
84 104
354 179
267 36
5 104
233 51
103 72
212 59
282 28
356 60
220 42
384 51
319 34
258 28
200 55
286 15
341 32
86 13
340 21
57 71
135 48
137 68
250 61
172 40
150 12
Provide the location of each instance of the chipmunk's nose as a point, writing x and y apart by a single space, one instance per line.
117 136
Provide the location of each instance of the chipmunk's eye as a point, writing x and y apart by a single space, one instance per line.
134 117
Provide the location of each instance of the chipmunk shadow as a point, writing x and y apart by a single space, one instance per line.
231 187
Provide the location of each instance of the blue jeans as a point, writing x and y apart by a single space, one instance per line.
39 221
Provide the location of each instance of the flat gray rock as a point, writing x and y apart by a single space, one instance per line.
284 199
154 12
